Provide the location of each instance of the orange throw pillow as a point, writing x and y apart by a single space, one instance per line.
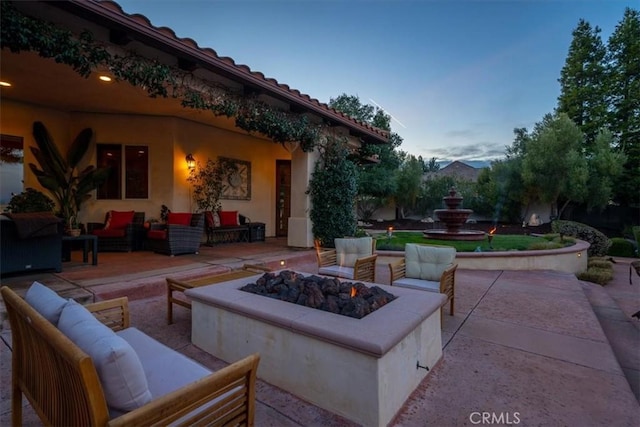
179 218
229 218
118 220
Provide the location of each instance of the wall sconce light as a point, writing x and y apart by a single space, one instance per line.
191 162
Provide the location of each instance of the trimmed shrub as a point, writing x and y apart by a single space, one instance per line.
333 188
601 276
599 242
621 247
600 263
545 245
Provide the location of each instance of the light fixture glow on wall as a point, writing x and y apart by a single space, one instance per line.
5 84
105 78
191 162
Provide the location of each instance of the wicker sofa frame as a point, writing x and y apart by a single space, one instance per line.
180 239
25 255
132 240
61 383
226 233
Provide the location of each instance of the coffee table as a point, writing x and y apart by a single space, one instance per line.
182 285
89 243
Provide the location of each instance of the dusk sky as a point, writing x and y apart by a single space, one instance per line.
456 76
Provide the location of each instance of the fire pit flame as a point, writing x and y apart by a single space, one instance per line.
353 292
493 231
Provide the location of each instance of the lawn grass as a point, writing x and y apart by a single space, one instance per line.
501 242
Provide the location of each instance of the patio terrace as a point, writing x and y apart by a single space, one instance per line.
539 346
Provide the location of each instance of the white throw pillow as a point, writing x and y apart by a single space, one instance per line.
349 249
45 301
427 262
118 366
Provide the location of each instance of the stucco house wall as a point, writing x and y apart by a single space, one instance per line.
169 140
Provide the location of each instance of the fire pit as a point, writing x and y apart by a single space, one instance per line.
309 352
323 293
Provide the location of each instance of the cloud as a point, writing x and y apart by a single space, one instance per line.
484 151
461 133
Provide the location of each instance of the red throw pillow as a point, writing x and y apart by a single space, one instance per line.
229 218
118 220
179 218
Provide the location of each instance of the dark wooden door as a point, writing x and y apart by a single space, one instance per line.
283 197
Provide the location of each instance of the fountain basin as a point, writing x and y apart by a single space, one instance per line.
363 369
570 259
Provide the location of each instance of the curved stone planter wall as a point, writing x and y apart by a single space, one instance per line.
572 259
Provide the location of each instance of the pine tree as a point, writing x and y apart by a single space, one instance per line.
623 71
582 82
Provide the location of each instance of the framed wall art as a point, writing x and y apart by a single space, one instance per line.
238 181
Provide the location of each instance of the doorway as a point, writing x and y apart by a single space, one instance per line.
283 197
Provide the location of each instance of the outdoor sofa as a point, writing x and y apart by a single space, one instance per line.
226 227
121 231
30 242
86 366
182 234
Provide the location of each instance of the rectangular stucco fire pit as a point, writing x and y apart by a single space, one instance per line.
363 369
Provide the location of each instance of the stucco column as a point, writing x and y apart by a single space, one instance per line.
302 164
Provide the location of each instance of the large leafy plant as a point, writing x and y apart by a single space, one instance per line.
209 182
60 174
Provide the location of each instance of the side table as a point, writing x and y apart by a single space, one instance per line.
256 231
89 243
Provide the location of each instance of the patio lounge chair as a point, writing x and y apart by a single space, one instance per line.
80 366
353 258
121 231
427 268
182 234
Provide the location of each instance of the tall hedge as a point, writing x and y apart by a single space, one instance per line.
333 189
600 243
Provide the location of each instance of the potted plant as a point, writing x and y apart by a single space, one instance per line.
60 175
209 183
73 229
30 200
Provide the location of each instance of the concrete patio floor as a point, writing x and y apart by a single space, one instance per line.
533 348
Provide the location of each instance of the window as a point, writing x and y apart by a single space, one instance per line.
129 174
11 167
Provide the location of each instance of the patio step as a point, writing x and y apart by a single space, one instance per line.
622 332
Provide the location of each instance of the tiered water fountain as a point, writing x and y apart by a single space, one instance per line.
453 218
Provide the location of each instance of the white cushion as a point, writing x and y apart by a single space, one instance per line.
157 358
45 301
336 270
427 262
118 366
422 285
349 249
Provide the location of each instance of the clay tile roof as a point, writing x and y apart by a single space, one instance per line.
107 11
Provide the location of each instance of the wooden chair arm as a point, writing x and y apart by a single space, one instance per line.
448 281
327 257
365 268
397 270
257 268
113 313
238 380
